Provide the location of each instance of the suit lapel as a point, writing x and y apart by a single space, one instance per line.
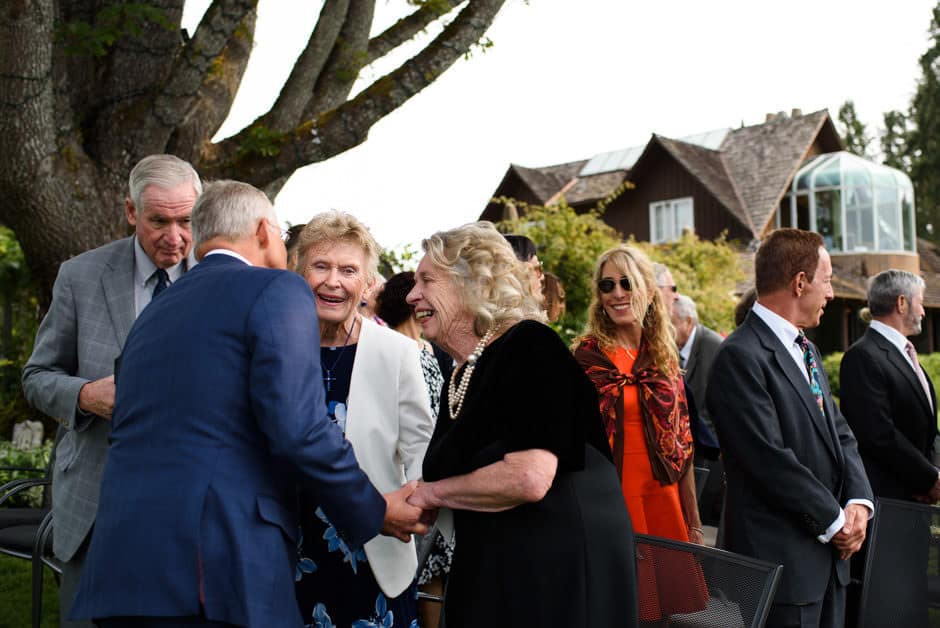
797 380
693 354
895 358
117 283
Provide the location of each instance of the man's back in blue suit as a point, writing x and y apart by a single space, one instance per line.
219 414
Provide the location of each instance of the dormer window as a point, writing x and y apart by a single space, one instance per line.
858 206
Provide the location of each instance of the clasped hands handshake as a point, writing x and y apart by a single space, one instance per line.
406 512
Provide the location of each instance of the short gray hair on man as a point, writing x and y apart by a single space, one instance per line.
659 273
163 171
685 309
230 210
885 288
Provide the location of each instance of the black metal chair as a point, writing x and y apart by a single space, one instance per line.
696 586
27 532
902 567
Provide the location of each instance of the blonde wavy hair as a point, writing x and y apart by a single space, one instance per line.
492 283
656 324
336 227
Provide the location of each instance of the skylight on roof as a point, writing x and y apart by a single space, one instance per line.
625 158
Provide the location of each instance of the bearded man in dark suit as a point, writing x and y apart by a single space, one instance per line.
797 494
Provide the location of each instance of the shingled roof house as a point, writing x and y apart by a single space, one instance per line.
788 171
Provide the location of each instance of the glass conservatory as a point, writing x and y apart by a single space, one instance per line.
858 206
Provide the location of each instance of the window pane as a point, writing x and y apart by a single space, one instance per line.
685 216
860 227
829 175
889 229
802 212
828 219
783 212
907 218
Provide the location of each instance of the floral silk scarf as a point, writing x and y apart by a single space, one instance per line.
662 404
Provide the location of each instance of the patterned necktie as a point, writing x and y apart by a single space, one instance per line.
912 354
812 369
163 280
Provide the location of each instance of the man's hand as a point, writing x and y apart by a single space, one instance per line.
401 518
850 538
97 397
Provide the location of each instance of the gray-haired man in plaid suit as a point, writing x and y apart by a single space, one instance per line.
95 300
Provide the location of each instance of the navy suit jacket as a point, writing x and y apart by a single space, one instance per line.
219 415
789 469
893 419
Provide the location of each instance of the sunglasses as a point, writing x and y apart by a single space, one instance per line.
607 284
672 288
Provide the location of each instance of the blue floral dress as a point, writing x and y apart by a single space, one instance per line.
334 583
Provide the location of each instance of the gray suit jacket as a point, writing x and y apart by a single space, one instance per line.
789 468
91 313
699 366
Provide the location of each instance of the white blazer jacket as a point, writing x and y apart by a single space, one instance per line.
389 423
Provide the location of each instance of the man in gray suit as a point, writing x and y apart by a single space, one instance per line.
697 348
95 300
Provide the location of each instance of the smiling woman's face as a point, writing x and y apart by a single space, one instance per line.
336 272
438 306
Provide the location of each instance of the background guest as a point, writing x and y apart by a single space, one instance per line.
376 394
553 297
95 300
796 491
527 253
697 348
544 538
667 285
633 362
890 404
744 305
392 307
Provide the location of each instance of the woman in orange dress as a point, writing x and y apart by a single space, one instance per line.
633 362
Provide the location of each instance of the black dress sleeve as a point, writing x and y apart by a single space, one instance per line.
546 403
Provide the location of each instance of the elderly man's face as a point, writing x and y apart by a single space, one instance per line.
667 287
683 329
162 224
913 319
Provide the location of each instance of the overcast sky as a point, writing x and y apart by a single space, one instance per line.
566 79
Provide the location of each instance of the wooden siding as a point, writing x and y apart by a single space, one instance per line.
666 179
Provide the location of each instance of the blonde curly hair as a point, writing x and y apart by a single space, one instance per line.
656 324
335 227
492 283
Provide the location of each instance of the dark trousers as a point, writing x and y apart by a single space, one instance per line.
827 613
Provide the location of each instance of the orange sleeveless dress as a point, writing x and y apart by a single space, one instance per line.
654 509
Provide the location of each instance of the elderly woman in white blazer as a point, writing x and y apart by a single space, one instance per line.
376 393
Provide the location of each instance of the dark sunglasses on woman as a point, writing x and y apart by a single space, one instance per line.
607 284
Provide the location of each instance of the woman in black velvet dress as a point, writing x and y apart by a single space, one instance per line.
519 452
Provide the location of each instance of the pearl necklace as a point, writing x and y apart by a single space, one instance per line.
456 392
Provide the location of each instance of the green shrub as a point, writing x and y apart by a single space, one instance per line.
37 458
831 364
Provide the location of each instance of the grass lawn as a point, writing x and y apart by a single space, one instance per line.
16 595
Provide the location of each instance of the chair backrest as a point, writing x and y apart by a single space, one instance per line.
902 567
694 585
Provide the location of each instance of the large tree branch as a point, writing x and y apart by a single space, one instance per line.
346 59
216 94
217 27
262 160
407 27
287 111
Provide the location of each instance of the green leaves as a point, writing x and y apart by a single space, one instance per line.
110 24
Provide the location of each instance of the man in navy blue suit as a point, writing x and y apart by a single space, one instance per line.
219 416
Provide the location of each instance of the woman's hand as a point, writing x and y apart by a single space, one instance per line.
696 535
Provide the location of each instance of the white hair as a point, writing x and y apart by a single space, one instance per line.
685 309
229 209
163 171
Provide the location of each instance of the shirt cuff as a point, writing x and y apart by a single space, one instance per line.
834 528
836 525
